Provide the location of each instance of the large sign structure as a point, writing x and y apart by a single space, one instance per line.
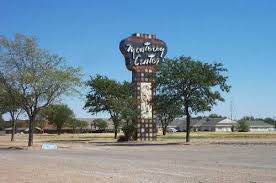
143 52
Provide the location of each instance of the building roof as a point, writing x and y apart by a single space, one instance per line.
259 123
222 122
90 122
181 122
198 122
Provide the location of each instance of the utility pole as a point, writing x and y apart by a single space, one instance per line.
231 108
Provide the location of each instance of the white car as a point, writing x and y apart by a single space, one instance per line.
172 130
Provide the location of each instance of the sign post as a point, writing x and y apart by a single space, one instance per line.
143 52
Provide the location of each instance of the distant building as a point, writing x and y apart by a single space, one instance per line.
260 126
218 125
22 126
205 124
91 125
180 124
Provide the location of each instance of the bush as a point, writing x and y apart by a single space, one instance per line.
122 138
243 126
101 124
129 132
2 123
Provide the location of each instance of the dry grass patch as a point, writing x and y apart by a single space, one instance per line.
219 135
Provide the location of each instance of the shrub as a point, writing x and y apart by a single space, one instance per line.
129 131
243 126
122 138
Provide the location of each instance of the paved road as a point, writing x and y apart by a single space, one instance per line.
151 163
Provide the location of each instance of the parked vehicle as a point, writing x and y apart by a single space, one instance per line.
172 130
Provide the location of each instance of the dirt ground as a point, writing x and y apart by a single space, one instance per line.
245 161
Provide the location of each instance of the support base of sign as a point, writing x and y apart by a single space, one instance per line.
146 127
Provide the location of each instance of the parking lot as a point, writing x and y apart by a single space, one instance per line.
237 161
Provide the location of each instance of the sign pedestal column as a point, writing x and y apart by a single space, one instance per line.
144 90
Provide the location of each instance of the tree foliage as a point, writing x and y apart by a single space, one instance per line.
81 124
9 105
247 118
196 85
129 131
72 123
243 126
33 76
101 124
76 124
58 114
270 121
215 116
2 123
167 109
107 95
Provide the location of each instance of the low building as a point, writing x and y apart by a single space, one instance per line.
91 127
22 126
218 125
205 124
181 125
260 126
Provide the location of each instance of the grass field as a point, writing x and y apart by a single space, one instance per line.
179 136
219 135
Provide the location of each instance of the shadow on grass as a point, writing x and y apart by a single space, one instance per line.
243 143
67 141
8 148
135 144
105 143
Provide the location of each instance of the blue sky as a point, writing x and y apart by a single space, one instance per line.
239 33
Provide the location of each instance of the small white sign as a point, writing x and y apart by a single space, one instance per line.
49 146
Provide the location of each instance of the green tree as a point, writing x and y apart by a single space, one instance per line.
72 123
129 132
41 120
2 123
59 115
129 113
243 126
33 76
9 105
247 118
167 109
215 116
194 83
107 95
82 124
76 123
270 121
101 124
128 106
94 123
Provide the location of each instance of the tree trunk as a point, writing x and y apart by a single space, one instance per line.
164 131
58 131
13 130
115 134
116 124
164 126
188 120
31 131
13 126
